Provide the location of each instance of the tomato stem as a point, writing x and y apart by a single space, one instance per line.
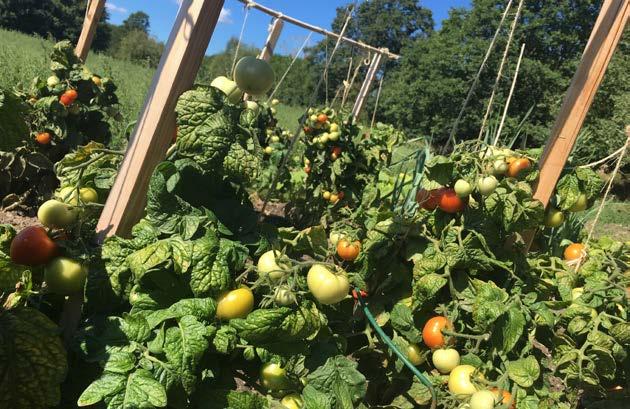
482 337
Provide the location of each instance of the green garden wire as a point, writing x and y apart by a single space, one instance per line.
387 340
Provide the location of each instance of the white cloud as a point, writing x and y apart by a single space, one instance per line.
115 9
225 16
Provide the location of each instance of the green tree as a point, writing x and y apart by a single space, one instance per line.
138 20
138 47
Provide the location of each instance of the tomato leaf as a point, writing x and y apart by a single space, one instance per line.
508 329
426 288
339 370
524 372
402 320
314 399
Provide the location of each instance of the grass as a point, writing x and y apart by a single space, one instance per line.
614 220
23 57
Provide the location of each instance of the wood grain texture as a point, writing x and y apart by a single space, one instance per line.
272 39
365 87
93 14
155 127
602 43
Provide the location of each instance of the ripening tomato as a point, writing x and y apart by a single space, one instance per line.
334 198
97 80
507 397
482 400
72 94
54 213
65 100
327 287
486 185
515 167
499 167
65 276
284 296
432 332
574 251
307 169
326 195
348 251
414 354
450 202
32 247
274 377
341 195
459 382
334 128
580 204
292 401
235 304
52 81
462 188
336 150
268 265
322 118
428 199
43 138
268 150
554 217
445 360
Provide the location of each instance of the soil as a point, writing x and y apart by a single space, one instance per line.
273 209
19 222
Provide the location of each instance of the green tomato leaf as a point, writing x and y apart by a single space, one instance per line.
339 370
402 320
314 399
107 385
508 329
426 288
524 372
120 362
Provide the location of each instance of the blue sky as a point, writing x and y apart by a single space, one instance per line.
162 14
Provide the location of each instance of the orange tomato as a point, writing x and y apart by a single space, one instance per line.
43 138
574 251
322 118
72 94
65 100
348 251
307 169
451 203
516 166
432 332
507 397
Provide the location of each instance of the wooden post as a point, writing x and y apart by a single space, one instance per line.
154 130
365 87
604 38
92 16
272 39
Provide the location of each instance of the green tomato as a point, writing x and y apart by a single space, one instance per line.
459 382
229 88
334 136
462 188
499 167
53 213
414 354
334 127
273 110
274 377
554 217
486 185
68 194
253 76
65 276
292 401
580 204
324 138
251 105
275 139
482 400
268 150
445 360
268 265
52 81
284 296
313 118
235 304
275 101
335 236
326 286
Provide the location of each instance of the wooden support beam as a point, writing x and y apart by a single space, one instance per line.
93 14
154 130
601 45
272 39
319 30
365 87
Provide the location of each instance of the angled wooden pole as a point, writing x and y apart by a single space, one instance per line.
272 39
601 45
93 14
365 87
152 135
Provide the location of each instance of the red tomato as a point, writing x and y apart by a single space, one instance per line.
432 332
72 94
65 100
341 195
322 118
348 251
516 166
307 129
307 169
336 150
32 247
43 138
574 251
362 293
449 202
429 199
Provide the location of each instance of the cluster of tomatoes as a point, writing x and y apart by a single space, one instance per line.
331 197
320 126
438 336
454 199
34 247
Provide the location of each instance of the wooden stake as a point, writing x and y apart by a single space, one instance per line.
155 127
272 39
365 87
92 16
599 50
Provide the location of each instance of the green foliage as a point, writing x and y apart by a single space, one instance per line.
13 126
